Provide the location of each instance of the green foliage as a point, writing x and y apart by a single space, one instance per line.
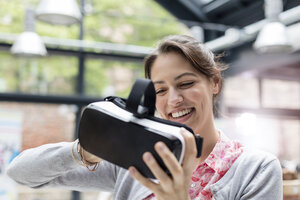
60 73
8 72
137 22
53 75
98 80
140 22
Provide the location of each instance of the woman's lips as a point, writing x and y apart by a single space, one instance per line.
182 119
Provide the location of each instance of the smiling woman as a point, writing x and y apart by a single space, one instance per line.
187 80
181 88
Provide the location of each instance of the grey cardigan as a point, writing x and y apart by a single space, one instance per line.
254 175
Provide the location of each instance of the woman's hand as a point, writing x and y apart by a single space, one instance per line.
177 186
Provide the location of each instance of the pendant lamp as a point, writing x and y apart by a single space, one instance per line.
29 43
197 33
58 12
273 37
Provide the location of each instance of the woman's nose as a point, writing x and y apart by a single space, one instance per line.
175 98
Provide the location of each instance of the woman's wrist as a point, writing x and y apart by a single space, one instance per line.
87 160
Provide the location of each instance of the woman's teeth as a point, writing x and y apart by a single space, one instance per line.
181 113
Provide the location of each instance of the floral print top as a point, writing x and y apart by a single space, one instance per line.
213 168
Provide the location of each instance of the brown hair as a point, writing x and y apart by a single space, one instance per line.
200 57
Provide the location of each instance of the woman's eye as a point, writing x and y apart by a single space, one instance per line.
160 91
186 84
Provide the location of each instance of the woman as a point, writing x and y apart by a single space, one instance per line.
187 81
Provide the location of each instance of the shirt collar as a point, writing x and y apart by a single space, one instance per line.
219 153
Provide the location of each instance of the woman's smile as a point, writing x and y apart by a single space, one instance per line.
181 115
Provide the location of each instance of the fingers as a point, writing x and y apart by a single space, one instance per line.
190 150
157 170
170 161
180 173
144 181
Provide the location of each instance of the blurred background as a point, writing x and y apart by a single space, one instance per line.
57 56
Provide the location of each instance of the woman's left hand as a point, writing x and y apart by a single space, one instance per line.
177 186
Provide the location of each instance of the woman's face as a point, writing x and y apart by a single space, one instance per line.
183 94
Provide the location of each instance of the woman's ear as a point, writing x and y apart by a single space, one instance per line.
216 84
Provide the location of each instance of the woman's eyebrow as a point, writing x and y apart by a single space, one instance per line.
184 74
158 82
177 77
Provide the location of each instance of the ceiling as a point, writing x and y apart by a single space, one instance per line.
233 13
215 16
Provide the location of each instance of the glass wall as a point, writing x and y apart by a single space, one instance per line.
105 78
50 75
280 94
278 133
237 88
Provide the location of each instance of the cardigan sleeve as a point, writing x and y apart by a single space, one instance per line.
267 183
255 175
52 165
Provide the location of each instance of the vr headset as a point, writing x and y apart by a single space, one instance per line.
121 130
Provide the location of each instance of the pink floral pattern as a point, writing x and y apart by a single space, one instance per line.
213 168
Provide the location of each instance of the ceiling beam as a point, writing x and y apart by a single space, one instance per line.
242 16
248 62
184 10
278 76
274 112
196 10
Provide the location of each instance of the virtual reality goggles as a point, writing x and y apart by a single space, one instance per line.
121 130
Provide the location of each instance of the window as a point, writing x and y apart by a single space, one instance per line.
280 94
106 78
241 92
49 75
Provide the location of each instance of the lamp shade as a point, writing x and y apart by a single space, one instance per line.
58 12
273 39
28 44
198 33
